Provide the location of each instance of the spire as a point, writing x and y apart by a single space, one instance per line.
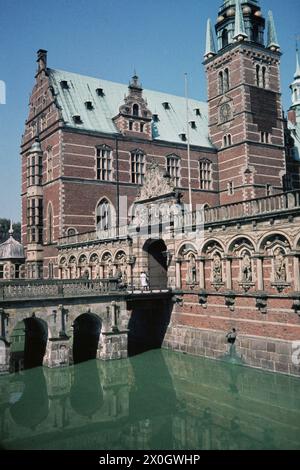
239 25
210 49
11 230
297 73
272 41
134 82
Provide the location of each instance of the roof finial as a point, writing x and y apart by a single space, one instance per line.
272 41
11 230
239 26
210 49
297 73
134 82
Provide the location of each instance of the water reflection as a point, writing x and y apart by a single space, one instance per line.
157 400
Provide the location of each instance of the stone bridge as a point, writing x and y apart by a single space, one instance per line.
59 322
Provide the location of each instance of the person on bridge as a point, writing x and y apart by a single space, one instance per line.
144 281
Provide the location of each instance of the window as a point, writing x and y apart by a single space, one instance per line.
49 164
221 83
34 170
263 72
104 163
17 271
130 125
226 80
205 170
142 125
230 188
104 215
257 75
35 220
135 110
50 270
173 168
1 271
227 140
224 38
137 167
50 224
265 137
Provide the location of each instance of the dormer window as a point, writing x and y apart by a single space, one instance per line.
89 105
100 91
197 112
77 119
183 136
193 124
64 84
166 105
135 110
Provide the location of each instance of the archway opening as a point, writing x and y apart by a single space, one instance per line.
87 329
157 264
148 325
28 344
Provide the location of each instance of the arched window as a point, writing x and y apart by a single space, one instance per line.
71 232
229 139
226 80
257 75
135 110
221 83
104 215
50 223
263 72
225 141
224 38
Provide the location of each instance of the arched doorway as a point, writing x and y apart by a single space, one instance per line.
157 264
28 344
87 329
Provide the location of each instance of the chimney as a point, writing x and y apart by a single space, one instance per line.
41 59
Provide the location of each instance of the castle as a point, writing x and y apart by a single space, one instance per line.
110 172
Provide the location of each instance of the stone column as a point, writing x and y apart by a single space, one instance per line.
228 273
202 272
259 269
178 273
297 272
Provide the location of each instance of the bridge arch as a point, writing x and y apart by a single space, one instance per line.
28 343
86 334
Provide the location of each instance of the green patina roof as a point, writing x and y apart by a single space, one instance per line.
172 122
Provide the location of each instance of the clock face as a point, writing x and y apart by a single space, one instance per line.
225 112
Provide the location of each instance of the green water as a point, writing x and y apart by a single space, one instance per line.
157 400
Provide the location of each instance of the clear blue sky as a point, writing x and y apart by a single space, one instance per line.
162 39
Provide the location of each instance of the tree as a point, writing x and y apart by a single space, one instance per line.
4 229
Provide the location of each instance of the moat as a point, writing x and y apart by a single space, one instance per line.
156 400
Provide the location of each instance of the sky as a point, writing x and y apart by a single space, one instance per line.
161 39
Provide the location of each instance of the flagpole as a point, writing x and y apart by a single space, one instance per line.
188 141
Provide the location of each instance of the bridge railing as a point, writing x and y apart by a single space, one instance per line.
43 289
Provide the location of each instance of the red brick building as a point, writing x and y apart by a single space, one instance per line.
87 142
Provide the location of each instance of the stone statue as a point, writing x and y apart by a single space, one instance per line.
279 265
246 268
217 269
192 271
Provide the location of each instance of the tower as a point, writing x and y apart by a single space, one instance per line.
245 112
293 131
